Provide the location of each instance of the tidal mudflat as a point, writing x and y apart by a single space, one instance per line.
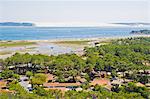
48 47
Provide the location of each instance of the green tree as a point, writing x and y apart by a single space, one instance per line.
7 74
38 79
29 74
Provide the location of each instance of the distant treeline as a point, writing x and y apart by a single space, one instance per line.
140 32
133 23
16 24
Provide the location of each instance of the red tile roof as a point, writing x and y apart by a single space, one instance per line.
6 91
3 83
100 82
60 84
49 77
61 89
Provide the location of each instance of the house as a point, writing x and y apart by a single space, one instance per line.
49 78
108 73
140 84
142 72
61 89
147 72
128 80
100 82
3 87
147 85
81 80
79 89
3 84
101 74
117 82
7 91
61 86
120 74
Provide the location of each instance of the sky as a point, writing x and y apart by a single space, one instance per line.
74 12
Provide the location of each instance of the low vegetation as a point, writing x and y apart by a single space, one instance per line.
77 42
17 43
5 52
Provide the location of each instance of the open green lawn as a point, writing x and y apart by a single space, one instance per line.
18 43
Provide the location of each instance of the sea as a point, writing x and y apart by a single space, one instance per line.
49 33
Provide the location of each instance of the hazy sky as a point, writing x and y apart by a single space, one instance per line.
75 11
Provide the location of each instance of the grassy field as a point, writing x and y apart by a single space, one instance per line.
77 42
17 43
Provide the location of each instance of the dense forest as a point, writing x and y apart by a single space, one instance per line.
128 56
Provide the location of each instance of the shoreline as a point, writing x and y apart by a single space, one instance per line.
55 46
88 38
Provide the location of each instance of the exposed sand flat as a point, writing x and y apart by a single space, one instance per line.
51 47
48 47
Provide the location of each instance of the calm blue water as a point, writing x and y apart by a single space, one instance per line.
45 33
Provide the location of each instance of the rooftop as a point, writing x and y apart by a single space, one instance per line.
61 89
140 84
100 82
2 83
6 91
60 84
49 77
